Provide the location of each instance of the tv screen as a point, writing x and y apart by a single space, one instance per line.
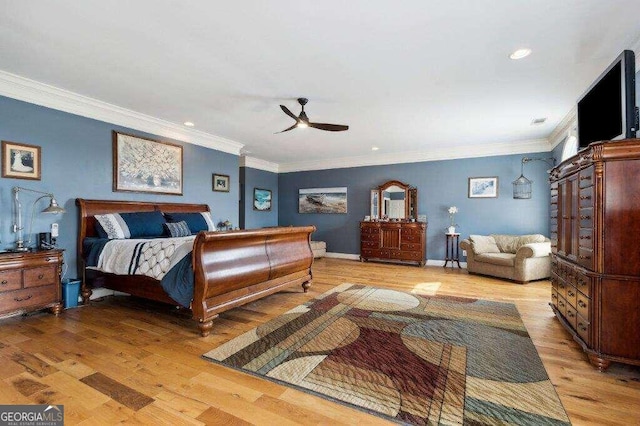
607 110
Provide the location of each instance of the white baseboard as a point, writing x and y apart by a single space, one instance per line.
349 256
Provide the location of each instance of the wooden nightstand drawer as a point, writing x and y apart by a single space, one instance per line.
10 280
20 299
36 277
583 306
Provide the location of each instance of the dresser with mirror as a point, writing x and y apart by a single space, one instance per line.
393 233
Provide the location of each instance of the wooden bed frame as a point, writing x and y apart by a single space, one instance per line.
231 268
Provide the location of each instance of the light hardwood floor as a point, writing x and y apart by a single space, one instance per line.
120 360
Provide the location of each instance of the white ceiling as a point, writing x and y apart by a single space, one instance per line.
409 77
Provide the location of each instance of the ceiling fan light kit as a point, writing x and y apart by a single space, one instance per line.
302 120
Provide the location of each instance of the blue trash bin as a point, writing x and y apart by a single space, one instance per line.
70 292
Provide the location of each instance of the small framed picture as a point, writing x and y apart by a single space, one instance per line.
483 187
261 199
21 161
221 183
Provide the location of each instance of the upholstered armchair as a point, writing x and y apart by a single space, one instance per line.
519 258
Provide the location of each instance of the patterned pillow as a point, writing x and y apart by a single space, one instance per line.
177 229
131 225
113 226
196 221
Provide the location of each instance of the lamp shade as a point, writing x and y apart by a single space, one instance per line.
53 207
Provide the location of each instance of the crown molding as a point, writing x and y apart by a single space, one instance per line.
467 151
562 129
24 89
257 163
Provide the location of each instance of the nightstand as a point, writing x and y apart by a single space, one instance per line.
30 281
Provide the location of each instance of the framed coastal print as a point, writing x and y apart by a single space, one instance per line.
146 165
322 200
21 161
483 187
261 199
221 183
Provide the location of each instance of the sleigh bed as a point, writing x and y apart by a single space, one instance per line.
229 268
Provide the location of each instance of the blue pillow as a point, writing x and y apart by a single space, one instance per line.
195 221
131 225
177 229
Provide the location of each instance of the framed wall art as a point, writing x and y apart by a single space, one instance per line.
221 183
21 161
483 187
322 200
261 199
146 165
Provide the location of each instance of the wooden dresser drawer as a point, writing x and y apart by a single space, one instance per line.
571 316
582 305
571 296
554 297
410 247
413 238
10 280
411 231
585 199
369 229
586 177
583 283
370 237
406 255
562 306
585 257
586 238
562 288
583 327
586 217
368 245
20 299
36 277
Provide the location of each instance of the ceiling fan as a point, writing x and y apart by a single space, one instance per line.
303 121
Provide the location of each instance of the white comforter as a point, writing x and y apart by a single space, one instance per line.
150 257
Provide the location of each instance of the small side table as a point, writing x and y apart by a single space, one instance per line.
453 250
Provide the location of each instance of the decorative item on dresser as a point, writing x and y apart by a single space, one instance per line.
30 281
400 238
595 268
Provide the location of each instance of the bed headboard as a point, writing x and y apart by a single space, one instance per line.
89 208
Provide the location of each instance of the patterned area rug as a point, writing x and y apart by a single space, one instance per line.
406 357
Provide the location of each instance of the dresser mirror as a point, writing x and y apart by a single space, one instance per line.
394 200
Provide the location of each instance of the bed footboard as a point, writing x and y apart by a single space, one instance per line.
236 267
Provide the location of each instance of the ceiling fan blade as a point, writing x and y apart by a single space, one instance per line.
289 113
286 130
329 127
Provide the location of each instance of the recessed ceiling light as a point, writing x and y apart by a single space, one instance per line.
538 121
520 53
189 124
374 148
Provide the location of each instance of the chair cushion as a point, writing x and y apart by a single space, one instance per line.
500 259
197 222
130 225
483 244
511 243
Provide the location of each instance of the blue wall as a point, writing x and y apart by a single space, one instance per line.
250 179
77 163
440 184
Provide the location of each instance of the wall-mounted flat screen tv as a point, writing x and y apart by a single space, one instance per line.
608 110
